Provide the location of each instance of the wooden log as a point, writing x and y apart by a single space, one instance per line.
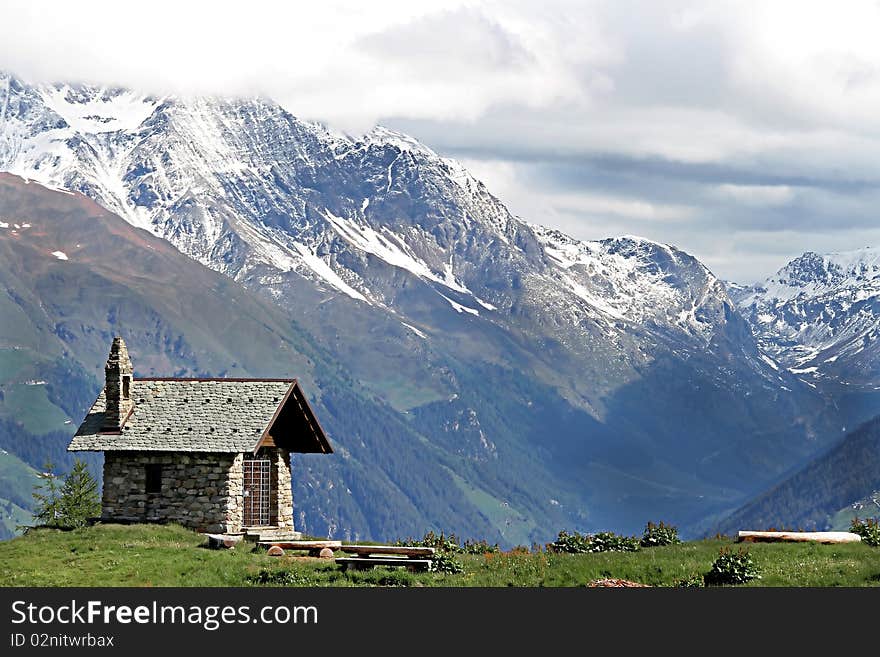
367 550
325 553
275 551
797 537
302 545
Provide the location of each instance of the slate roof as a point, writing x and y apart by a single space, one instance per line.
196 415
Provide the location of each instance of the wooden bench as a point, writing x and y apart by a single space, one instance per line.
400 550
313 547
400 556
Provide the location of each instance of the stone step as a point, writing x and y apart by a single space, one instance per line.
259 535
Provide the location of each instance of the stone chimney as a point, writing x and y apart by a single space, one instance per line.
119 376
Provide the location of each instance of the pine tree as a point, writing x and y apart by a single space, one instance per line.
67 505
79 499
47 504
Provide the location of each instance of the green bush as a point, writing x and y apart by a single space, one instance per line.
868 529
440 542
445 549
576 543
268 577
659 534
611 542
732 568
573 543
480 547
693 582
444 562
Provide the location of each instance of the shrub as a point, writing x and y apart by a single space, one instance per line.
601 542
444 562
659 534
573 543
692 582
441 542
732 568
267 577
480 547
446 547
868 529
450 543
611 542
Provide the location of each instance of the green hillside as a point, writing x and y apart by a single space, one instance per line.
826 493
149 555
16 480
179 318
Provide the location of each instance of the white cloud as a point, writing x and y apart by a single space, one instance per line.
783 93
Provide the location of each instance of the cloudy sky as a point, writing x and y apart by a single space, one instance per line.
743 132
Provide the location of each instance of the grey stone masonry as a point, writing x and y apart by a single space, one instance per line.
282 495
202 491
118 373
175 449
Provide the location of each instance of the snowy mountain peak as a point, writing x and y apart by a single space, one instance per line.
382 136
639 280
820 314
248 189
813 274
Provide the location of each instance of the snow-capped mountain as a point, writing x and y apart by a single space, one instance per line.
819 316
644 385
244 187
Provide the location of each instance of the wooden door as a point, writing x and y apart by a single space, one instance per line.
257 489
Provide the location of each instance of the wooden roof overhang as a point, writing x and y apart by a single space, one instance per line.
294 426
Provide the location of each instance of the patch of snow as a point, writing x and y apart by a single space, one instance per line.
770 361
365 204
382 136
323 270
392 249
415 330
597 303
459 308
61 255
3 224
104 110
804 370
485 304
